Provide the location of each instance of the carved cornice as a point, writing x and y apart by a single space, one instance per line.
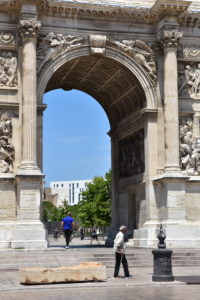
169 39
109 12
171 7
29 29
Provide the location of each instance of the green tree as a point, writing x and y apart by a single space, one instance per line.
95 208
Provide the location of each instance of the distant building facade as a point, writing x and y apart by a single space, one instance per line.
70 191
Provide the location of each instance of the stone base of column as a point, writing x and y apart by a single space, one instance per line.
22 235
28 168
7 197
29 197
182 234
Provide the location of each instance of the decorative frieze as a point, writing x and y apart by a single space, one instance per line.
7 40
8 69
189 148
189 80
191 52
6 149
140 52
131 155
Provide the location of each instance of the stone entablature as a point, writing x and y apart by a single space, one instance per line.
132 12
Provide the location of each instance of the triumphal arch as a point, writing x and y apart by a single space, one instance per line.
140 59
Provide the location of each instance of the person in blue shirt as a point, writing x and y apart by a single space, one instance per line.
67 225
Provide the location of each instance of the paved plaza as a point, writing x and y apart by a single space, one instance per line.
138 287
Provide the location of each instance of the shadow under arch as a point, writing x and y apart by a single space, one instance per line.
114 79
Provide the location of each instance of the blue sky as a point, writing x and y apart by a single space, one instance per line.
76 144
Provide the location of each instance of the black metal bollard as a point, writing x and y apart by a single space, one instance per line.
162 263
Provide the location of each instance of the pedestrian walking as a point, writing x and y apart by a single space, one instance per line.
67 225
82 231
56 233
119 249
94 235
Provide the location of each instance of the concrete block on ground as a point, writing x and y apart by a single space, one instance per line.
88 271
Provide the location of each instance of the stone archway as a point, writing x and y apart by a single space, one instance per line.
41 39
126 92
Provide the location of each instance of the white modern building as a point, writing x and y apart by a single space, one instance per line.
71 191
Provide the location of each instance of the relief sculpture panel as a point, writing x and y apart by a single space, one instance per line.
54 43
189 148
189 80
8 69
131 155
7 40
141 53
6 148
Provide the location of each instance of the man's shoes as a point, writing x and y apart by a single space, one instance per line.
130 276
66 247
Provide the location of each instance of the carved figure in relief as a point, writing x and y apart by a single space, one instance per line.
189 75
186 144
189 84
141 52
8 70
53 43
196 79
195 159
131 155
189 149
6 149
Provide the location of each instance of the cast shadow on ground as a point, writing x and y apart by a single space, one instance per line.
77 246
188 279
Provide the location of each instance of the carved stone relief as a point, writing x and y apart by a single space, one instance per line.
165 264
131 155
6 149
29 29
7 40
189 80
54 43
8 69
191 52
141 52
189 147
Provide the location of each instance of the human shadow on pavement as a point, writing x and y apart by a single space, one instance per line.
188 279
77 246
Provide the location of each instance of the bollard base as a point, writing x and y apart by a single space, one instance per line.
162 278
162 265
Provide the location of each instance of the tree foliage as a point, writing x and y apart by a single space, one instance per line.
95 208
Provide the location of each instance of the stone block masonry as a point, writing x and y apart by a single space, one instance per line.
88 271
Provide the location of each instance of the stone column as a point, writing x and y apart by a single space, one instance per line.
28 32
169 41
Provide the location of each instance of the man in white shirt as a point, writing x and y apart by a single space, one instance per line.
119 249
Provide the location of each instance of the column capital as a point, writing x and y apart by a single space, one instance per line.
28 29
169 39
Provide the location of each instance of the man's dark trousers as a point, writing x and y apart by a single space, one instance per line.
120 257
68 234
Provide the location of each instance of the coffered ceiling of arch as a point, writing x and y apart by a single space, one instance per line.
112 85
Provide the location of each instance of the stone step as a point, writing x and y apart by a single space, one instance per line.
14 260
